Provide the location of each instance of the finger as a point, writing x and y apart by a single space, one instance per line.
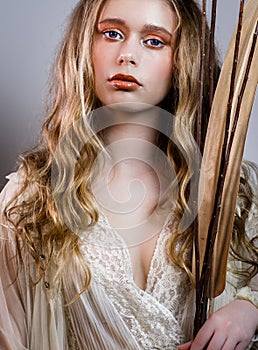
241 346
203 336
185 346
232 344
217 342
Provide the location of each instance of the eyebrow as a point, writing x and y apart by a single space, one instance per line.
146 27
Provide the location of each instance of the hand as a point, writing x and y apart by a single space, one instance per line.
230 328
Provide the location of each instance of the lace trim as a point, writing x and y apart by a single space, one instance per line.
153 316
246 293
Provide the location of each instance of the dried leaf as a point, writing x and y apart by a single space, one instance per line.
213 148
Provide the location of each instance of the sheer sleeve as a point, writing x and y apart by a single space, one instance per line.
31 316
14 294
250 292
236 285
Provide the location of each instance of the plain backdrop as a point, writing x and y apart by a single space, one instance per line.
30 31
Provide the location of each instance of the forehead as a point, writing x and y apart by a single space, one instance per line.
138 13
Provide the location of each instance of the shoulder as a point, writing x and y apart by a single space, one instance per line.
12 188
9 192
249 172
12 195
249 190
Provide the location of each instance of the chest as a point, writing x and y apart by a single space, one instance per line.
141 256
114 266
140 232
154 309
129 207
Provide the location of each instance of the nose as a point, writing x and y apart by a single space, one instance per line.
126 59
127 54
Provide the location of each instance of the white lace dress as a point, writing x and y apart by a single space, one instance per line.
114 313
153 316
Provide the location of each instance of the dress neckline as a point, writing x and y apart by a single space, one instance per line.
161 234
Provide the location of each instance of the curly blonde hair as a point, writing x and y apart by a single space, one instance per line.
52 173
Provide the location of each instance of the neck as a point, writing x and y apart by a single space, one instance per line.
131 134
131 139
132 155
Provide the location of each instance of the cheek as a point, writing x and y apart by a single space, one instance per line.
160 72
95 60
163 80
161 75
165 69
97 57
102 60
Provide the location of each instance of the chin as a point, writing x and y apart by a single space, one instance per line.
130 107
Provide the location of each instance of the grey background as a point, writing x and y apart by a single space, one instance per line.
30 31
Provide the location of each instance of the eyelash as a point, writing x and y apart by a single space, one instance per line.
146 42
158 41
107 32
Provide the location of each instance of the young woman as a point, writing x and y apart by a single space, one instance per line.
93 254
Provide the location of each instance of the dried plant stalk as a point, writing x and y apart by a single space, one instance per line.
211 166
198 317
245 93
213 230
201 300
207 245
206 270
201 77
212 51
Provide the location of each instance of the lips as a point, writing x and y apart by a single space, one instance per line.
124 82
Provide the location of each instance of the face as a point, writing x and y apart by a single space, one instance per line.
132 51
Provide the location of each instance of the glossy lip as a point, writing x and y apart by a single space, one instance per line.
124 82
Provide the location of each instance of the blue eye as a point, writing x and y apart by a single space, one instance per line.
154 43
112 34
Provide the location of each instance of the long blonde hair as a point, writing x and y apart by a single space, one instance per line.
53 174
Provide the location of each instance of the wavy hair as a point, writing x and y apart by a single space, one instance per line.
56 199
